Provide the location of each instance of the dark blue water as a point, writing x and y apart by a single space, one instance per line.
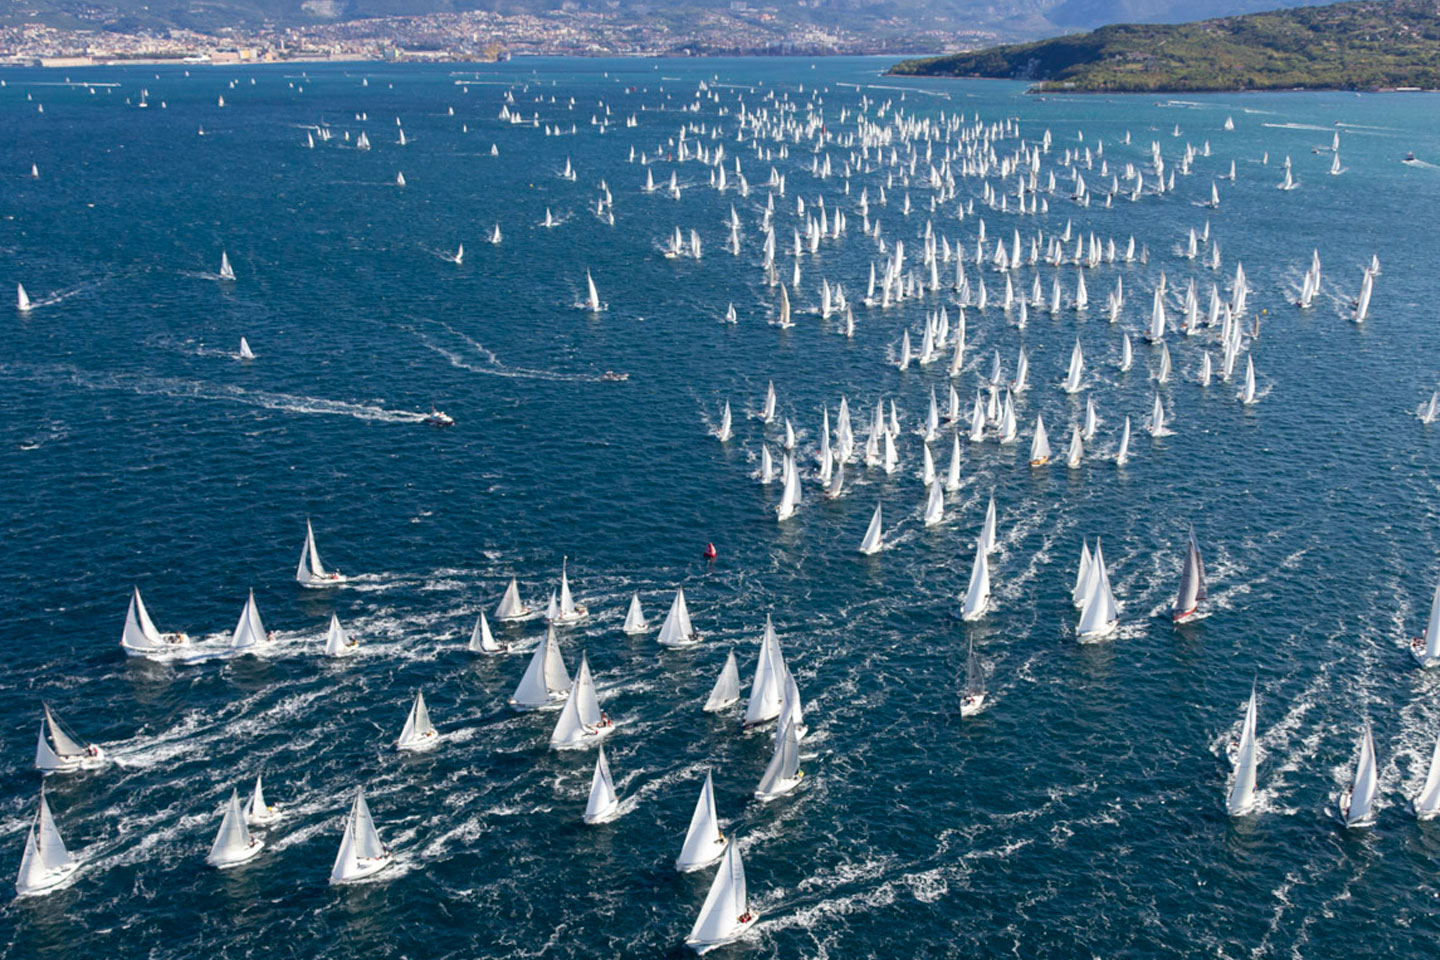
1080 815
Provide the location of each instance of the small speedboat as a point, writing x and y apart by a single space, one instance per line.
614 377
439 418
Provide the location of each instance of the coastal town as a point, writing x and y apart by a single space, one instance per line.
473 36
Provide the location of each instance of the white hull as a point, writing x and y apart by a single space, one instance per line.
360 869
590 738
780 789
271 815
320 583
971 705
421 744
736 932
1342 813
689 641
556 701
173 641
637 630
562 618
1417 650
1098 634
723 705
691 866
70 764
234 860
524 614
604 816
52 880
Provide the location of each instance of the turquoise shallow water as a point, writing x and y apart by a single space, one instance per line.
1081 814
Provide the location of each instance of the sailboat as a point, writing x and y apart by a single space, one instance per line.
249 630
546 681
592 296
1123 453
1362 305
227 272
1247 394
986 541
1040 445
22 299
581 722
1241 799
311 572
337 642
726 915
677 630
873 541
704 843
1192 583
634 617
418 733
1099 616
482 640
726 691
790 494
140 638
510 607
767 689
1426 803
60 750
245 352
1356 804
783 774
46 864
972 690
1426 649
1429 411
361 852
1077 367
603 806
724 433
258 813
1157 418
977 595
934 505
568 610
233 844
400 179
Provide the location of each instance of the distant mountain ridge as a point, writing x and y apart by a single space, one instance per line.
1362 44
1001 19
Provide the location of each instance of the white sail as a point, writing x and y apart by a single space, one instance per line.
337 642
546 681
677 631
592 296
226 271
140 637
790 494
1075 452
233 844
1040 445
257 811
1356 803
972 690
977 595
567 610
724 433
986 541
725 915
245 352
1362 304
934 505
1077 368
46 863
1241 799
635 617
704 843
767 687
510 607
1427 803
1099 616
873 541
418 733
361 852
1082 577
727 686
249 631
1123 453
1247 394
1157 418
22 299
1426 649
783 774
482 640
581 722
952 474
310 572
603 805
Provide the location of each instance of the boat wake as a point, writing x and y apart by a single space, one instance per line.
146 385
492 365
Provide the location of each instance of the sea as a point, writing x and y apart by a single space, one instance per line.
1081 814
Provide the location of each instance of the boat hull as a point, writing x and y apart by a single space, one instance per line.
780 789
604 816
420 744
555 702
361 869
565 618
1417 650
320 583
250 853
52 880
690 866
736 932
590 738
272 815
1102 633
971 705
723 705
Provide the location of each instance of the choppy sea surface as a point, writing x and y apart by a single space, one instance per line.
1082 814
